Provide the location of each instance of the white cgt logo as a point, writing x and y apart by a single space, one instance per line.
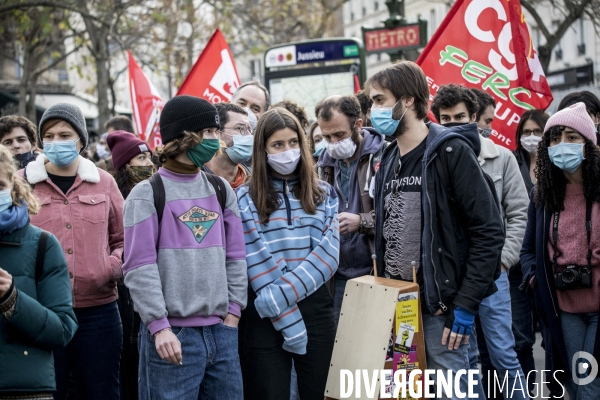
225 80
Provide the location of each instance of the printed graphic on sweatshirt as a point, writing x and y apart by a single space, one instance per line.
199 221
402 233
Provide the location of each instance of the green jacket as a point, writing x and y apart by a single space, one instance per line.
43 319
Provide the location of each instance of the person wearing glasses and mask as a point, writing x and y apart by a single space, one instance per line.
235 132
82 206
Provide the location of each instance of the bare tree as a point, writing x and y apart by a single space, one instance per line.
38 35
258 24
570 11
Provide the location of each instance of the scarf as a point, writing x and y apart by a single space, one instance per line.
13 218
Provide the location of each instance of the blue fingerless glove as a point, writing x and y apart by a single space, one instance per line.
463 321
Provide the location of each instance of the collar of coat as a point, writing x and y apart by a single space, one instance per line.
36 171
488 150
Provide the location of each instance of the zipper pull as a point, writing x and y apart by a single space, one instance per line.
347 205
443 306
287 190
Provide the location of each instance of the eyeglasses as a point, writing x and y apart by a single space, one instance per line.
529 132
241 130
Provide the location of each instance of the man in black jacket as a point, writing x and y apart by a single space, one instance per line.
452 235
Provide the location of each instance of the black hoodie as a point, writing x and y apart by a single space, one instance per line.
459 262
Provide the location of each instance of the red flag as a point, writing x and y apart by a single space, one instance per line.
486 44
146 103
214 76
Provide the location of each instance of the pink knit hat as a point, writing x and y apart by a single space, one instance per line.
575 117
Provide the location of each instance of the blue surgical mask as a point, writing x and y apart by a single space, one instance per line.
241 151
5 199
61 152
319 148
567 156
382 121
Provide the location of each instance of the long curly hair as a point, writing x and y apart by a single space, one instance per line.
551 182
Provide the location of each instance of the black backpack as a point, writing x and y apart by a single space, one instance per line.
160 196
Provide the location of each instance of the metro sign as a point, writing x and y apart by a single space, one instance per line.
406 37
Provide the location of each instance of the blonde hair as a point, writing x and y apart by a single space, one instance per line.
21 191
178 146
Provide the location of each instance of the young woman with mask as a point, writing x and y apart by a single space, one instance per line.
561 250
82 206
132 159
530 132
291 232
186 269
316 141
592 105
36 314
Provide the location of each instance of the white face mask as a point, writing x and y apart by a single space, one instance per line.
343 149
530 143
284 163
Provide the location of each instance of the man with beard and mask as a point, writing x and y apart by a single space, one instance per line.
348 163
236 133
18 135
456 105
418 214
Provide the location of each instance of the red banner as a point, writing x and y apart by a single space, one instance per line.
486 44
146 104
214 76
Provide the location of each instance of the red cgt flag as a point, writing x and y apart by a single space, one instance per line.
486 44
146 103
214 76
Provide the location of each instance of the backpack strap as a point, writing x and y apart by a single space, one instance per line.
220 191
41 255
158 188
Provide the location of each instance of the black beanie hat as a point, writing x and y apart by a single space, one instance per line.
186 113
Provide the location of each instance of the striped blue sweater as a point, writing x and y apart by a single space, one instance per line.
290 257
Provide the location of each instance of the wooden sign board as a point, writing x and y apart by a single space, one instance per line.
374 311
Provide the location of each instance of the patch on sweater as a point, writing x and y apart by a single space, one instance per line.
199 221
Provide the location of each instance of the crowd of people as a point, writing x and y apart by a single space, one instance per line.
214 266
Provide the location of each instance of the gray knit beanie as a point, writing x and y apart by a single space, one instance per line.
68 113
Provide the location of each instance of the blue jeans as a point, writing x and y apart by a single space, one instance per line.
496 323
210 370
92 357
579 331
338 297
439 357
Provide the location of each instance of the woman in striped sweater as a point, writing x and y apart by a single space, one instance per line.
291 232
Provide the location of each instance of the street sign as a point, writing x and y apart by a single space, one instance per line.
308 53
405 37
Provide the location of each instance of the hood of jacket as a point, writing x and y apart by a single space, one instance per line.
36 170
489 150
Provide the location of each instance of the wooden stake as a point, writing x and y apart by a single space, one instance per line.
374 257
414 268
